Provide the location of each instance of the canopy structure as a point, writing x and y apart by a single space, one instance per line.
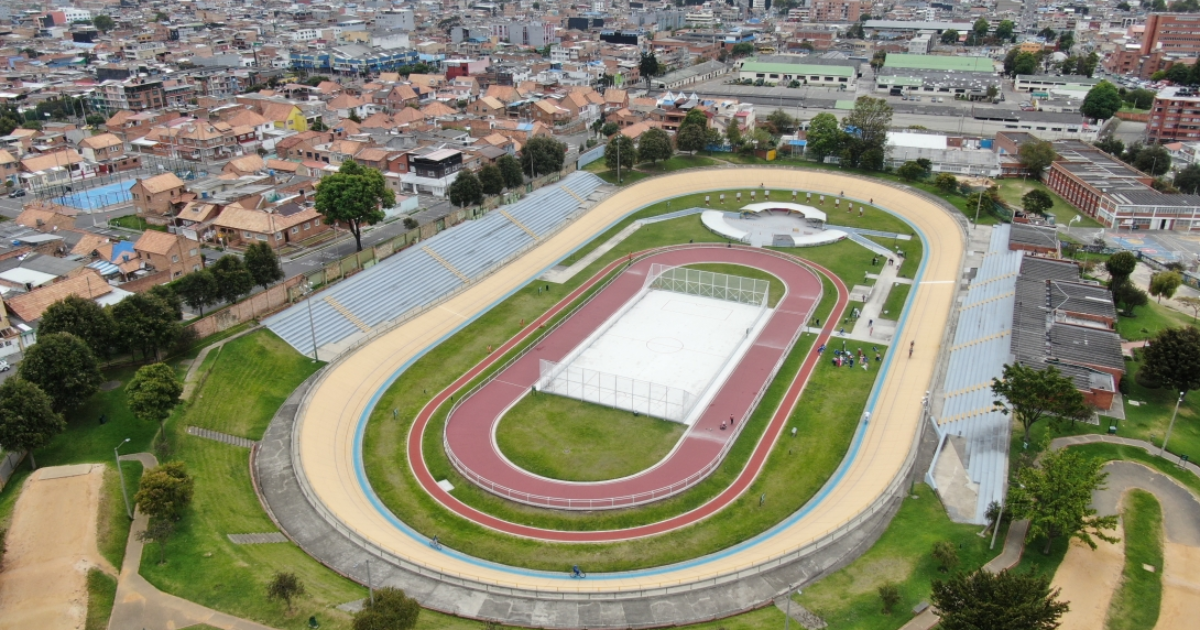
774 224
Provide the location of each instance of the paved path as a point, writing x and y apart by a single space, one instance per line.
471 425
141 606
1098 438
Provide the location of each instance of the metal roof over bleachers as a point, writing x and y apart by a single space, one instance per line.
430 269
977 355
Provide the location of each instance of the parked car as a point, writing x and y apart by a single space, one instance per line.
4 366
20 192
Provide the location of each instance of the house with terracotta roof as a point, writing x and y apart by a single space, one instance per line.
238 227
548 112
486 107
203 141
245 165
396 97
47 217
30 306
59 168
10 167
346 104
161 251
194 220
154 197
108 152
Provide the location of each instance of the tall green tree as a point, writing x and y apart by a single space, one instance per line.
1187 180
233 279
1119 267
103 23
263 264
165 491
491 180
780 122
648 66
198 289
1126 294
1164 283
1101 102
1025 63
511 169
692 134
146 323
910 171
654 145
1004 30
1173 359
153 392
27 417
980 28
997 601
1029 395
949 36
355 196
620 153
390 610
84 319
465 190
865 130
64 367
1151 159
1056 497
169 297
1036 201
543 155
824 136
945 182
1036 156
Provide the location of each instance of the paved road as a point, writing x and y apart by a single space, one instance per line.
469 430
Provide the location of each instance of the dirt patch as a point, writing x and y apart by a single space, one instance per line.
1088 580
50 547
1181 587
108 386
872 575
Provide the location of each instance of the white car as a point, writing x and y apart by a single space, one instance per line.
4 366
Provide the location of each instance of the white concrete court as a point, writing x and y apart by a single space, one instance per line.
679 342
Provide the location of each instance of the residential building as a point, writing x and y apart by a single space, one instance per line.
153 197
834 10
1175 115
108 153
172 253
1169 33
238 226
135 94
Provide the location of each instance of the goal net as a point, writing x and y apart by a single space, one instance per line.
708 284
612 390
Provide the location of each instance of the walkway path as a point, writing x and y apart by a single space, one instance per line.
140 605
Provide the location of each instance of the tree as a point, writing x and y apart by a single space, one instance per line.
1066 40
543 155
233 279
1036 201
153 392
1153 160
654 145
910 171
620 153
198 289
27 417
1187 180
1004 30
1036 156
1127 294
82 318
103 23
391 609
169 297
889 594
865 130
159 16
1173 359
165 491
648 66
824 136
609 128
64 367
286 586
878 59
1164 283
355 196
1101 102
742 49
733 135
1056 497
980 28
262 263
1120 266
945 182
945 554
1025 63
1029 395
997 601
158 531
510 168
949 36
780 122
1178 73
491 180
1124 6
465 190
1111 145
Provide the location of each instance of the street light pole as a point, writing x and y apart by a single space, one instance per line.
787 618
311 325
121 473
978 205
370 587
1162 451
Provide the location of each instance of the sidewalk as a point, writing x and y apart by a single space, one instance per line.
139 605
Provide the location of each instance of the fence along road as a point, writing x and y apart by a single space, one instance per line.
331 420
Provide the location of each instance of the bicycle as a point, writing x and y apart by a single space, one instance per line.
435 543
576 573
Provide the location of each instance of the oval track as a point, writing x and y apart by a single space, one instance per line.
470 427
330 424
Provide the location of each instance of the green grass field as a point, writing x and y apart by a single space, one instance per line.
1136 603
112 524
563 438
895 301
1150 319
1011 191
849 598
134 222
677 163
102 592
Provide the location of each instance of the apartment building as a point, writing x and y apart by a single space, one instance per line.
1175 115
1172 33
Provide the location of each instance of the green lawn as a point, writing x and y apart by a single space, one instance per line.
895 301
248 382
1150 319
677 163
774 291
134 222
1011 191
627 176
112 523
102 592
563 438
849 598
1136 603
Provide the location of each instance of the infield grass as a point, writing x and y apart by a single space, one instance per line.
895 301
1136 603
563 438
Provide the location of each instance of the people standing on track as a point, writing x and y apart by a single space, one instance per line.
911 344
731 421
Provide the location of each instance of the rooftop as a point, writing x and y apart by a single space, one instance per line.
940 62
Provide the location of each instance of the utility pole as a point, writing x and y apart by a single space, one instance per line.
1162 451
121 473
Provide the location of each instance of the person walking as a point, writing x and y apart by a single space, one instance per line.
911 344
731 421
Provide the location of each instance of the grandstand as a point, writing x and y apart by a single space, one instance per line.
974 436
431 269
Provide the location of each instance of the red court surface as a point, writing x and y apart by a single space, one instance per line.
469 430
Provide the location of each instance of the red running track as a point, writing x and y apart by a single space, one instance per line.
472 432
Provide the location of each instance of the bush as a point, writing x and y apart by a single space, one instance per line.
889 594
